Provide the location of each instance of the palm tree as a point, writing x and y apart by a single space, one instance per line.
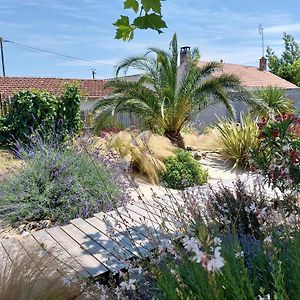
165 97
270 102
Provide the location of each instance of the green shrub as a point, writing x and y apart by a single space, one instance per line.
236 139
29 110
68 111
183 171
39 111
59 183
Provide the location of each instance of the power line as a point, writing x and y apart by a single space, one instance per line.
57 54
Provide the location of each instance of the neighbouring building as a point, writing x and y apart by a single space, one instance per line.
93 89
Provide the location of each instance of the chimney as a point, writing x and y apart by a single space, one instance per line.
185 54
262 64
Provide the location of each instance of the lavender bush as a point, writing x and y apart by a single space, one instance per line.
61 182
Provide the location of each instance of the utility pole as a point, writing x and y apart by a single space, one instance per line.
261 32
2 56
93 73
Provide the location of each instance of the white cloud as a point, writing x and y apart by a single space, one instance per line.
280 29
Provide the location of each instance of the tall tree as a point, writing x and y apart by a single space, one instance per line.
165 96
288 65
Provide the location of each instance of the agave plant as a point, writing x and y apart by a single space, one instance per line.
270 101
165 96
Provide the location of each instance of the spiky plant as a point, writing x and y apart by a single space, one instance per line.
165 96
270 101
235 139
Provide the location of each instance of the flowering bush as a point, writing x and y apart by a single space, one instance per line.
278 154
247 251
183 171
59 182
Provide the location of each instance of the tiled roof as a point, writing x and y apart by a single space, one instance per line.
251 77
91 88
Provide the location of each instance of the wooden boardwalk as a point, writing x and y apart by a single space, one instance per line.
102 243
94 246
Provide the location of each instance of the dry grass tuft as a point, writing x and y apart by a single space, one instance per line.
35 277
145 151
9 164
203 142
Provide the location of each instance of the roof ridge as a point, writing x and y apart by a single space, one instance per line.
51 78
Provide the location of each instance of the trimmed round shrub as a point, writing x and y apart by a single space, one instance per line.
183 171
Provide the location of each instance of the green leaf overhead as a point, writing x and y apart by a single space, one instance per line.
148 16
124 29
155 5
131 4
151 21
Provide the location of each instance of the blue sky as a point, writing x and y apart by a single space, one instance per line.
83 28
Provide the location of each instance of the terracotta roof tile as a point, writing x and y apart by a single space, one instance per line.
92 88
252 77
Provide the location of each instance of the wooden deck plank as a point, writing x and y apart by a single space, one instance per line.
106 241
93 248
135 227
133 230
89 263
50 245
4 259
118 235
152 216
13 248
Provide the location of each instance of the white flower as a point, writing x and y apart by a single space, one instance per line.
239 254
198 255
166 245
191 244
217 262
286 147
266 297
217 241
251 208
128 285
268 240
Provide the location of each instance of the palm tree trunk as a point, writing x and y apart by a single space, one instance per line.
176 138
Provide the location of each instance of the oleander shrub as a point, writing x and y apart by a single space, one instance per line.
183 171
60 182
235 139
277 156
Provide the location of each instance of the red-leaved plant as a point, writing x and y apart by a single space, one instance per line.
277 156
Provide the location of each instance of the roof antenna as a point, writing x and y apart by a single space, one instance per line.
93 73
261 32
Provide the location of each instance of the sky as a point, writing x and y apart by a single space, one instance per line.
221 29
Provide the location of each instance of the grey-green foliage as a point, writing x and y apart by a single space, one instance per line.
58 183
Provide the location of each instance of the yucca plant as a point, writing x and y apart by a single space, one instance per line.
235 139
270 101
165 96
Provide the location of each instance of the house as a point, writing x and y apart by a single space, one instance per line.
93 89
